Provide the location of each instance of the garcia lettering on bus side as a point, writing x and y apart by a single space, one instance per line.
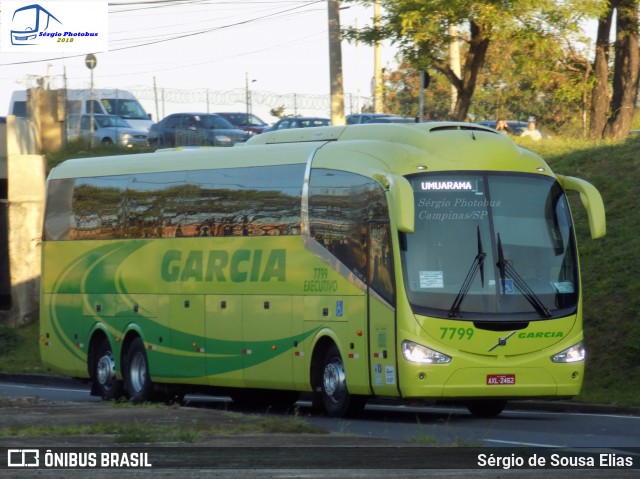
219 265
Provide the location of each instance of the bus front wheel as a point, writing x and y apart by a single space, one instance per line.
337 400
136 373
105 383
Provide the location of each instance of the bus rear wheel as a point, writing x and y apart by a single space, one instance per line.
486 407
136 373
105 383
337 400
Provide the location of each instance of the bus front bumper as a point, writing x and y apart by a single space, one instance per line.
557 380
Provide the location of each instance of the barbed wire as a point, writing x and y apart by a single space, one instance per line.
204 97
290 101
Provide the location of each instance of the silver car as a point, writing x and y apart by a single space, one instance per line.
108 130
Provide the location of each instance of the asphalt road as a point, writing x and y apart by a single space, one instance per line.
380 443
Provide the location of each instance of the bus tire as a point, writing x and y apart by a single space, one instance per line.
103 372
333 384
136 373
486 407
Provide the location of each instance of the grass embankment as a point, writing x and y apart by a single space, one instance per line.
610 271
151 424
610 265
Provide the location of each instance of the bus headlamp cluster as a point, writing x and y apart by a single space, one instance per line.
571 355
417 353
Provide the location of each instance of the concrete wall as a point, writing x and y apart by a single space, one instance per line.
26 171
48 117
5 283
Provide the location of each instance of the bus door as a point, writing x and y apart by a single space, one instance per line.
381 310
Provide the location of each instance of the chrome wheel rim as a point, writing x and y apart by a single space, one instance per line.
334 380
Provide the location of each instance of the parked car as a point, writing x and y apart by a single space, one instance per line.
245 121
391 119
195 129
298 122
357 118
107 130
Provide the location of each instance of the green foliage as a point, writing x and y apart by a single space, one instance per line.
277 112
19 349
535 62
9 339
122 431
609 265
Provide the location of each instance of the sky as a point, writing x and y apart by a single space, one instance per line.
179 50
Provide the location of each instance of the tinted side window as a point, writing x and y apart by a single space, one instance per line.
97 107
341 206
154 204
173 121
255 201
98 207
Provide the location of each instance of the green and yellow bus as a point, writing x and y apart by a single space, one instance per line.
431 261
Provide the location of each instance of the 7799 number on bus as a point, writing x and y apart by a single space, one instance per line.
500 379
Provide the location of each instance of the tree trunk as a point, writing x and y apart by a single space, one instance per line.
625 76
600 93
478 46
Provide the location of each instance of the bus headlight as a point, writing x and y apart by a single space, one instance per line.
417 353
572 355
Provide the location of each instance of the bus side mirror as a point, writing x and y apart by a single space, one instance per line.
402 206
592 202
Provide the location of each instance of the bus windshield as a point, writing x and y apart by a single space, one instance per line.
490 246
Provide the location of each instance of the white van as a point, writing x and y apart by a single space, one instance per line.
106 101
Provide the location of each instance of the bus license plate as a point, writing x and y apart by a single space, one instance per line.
500 379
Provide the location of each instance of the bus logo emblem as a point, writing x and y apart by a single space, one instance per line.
502 341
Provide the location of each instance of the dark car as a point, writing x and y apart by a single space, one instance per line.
298 122
244 121
195 129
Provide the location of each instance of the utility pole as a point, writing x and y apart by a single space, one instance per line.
377 63
248 93
91 61
155 96
335 64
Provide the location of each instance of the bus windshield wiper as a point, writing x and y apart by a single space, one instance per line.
478 264
505 269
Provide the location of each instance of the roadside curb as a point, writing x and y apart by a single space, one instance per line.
527 405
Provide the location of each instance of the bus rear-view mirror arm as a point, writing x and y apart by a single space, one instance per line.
401 200
592 202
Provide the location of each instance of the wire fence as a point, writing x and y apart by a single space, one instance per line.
163 101
170 99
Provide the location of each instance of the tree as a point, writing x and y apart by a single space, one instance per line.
420 28
277 112
613 119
